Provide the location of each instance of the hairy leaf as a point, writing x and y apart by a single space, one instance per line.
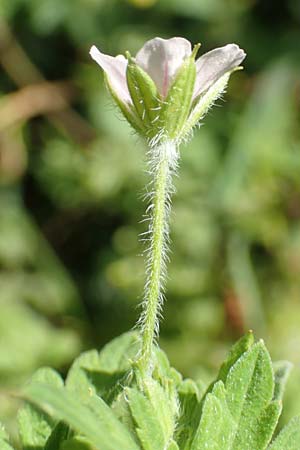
102 372
217 427
153 414
289 437
97 422
260 430
249 390
236 351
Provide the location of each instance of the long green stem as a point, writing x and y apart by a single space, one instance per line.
163 162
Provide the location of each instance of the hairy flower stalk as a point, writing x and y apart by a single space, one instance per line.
163 93
163 164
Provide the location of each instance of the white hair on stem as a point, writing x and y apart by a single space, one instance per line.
163 163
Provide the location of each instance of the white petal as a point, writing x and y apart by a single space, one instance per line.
212 65
161 58
115 69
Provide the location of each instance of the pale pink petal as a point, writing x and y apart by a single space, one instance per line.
161 58
212 65
115 69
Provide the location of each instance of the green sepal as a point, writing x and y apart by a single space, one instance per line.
202 104
177 105
145 97
127 110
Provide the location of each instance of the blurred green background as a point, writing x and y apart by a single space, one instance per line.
72 177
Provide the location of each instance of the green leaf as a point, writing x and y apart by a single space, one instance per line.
262 427
167 377
217 427
102 372
240 415
121 409
77 379
249 391
4 445
282 371
97 422
162 370
190 410
153 414
148 429
34 425
118 354
236 351
77 443
289 437
60 433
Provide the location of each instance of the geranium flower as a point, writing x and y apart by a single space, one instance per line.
161 60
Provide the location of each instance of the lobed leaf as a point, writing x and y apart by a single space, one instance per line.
249 391
148 427
241 414
102 372
153 414
217 426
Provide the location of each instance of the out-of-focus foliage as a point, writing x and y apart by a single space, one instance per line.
72 177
